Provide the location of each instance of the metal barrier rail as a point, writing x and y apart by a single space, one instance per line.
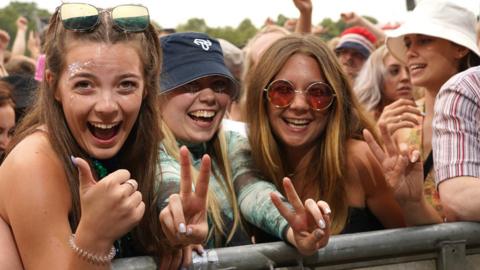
443 246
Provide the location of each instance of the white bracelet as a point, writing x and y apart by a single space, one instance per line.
90 257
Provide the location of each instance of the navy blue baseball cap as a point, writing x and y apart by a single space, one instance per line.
190 56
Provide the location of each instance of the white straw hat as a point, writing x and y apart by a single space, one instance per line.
436 18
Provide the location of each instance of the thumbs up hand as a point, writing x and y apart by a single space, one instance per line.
109 208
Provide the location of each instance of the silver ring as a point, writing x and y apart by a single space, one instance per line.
132 183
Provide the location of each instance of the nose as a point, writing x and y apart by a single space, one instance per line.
404 74
107 104
411 51
207 95
299 101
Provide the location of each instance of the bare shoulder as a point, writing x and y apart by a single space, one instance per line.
33 174
362 165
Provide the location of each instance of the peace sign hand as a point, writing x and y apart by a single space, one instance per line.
309 224
184 219
403 170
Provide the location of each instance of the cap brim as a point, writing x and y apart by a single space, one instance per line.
352 45
183 74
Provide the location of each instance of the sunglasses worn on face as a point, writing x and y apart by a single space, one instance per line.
83 17
281 93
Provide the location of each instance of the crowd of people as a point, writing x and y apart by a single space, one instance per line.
118 139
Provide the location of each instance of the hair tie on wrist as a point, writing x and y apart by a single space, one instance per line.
89 256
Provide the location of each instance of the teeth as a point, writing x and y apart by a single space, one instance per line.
103 126
415 66
204 114
298 121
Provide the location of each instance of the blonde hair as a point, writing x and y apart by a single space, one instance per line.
217 149
346 120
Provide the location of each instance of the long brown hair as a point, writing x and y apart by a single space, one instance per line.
346 120
139 154
217 149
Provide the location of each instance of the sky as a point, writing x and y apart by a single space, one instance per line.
231 12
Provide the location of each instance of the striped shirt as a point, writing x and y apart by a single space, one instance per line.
456 127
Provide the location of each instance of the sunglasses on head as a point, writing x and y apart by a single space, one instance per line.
83 17
281 93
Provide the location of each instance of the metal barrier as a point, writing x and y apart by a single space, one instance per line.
448 246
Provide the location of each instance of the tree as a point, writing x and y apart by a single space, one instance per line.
37 18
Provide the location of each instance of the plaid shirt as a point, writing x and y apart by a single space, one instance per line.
456 127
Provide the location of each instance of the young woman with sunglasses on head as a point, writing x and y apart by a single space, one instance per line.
305 124
77 185
196 89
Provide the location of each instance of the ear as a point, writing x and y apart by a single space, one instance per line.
49 78
460 52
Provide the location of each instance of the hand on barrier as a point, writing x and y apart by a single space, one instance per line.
402 167
309 223
184 219
110 207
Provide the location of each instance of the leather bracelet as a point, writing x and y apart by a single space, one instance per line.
90 257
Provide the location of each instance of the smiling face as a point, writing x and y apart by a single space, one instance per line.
101 94
194 111
430 60
297 126
396 80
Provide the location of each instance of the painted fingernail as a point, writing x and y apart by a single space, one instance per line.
415 156
189 231
182 228
322 224
72 158
200 250
328 211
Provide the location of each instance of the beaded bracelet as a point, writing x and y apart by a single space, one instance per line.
90 257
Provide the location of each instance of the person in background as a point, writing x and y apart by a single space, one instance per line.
384 88
302 111
82 164
196 88
24 90
436 41
353 49
7 117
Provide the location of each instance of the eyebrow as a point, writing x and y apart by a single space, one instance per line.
93 77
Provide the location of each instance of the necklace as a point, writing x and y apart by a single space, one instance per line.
99 169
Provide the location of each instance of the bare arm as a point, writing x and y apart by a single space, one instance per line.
36 202
461 198
19 44
304 23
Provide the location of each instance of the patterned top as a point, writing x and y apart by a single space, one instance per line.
456 127
429 189
253 194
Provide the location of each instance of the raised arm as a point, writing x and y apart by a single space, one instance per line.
304 23
19 44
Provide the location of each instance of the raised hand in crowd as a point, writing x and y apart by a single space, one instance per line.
19 44
403 170
4 40
309 223
110 207
402 113
304 22
33 44
184 219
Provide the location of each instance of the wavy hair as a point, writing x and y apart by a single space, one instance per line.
139 154
346 120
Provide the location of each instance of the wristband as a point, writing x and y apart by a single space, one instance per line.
90 257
